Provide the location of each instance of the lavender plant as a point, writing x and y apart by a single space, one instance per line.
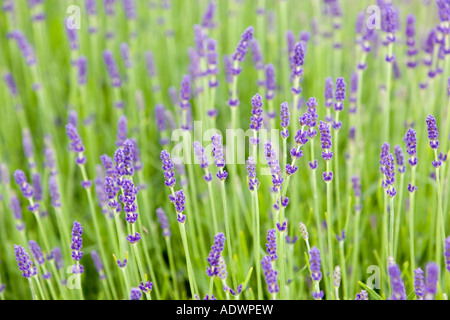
97 117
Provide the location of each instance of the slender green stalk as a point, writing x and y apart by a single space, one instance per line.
329 231
97 233
411 221
344 283
33 292
228 236
192 283
391 227
176 290
440 229
398 217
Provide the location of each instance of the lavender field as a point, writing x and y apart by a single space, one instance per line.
224 149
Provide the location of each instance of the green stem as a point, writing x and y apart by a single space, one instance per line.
228 236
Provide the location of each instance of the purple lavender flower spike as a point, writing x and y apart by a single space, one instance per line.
411 146
271 245
256 118
28 147
211 58
178 199
37 252
17 212
208 16
7 76
340 94
253 182
130 9
242 47
270 275
274 165
25 187
91 7
410 41
135 294
270 83
112 68
215 256
82 70
125 52
164 222
121 131
160 118
168 166
389 21
146 287
185 92
314 262
228 69
258 60
54 191
24 46
397 285
128 199
56 254
72 35
37 186
325 138
285 119
432 132
431 281
328 93
400 159
284 203
134 239
219 160
76 145
419 284
98 264
77 244
447 253
24 262
363 295
312 117
389 173
150 63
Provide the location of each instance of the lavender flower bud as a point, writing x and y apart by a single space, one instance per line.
447 253
168 166
270 275
112 68
121 131
24 262
10 83
397 285
36 251
135 294
76 246
25 187
253 182
432 132
314 264
163 221
271 84
271 244
219 160
274 165
419 284
214 258
242 47
431 281
362 295
285 119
